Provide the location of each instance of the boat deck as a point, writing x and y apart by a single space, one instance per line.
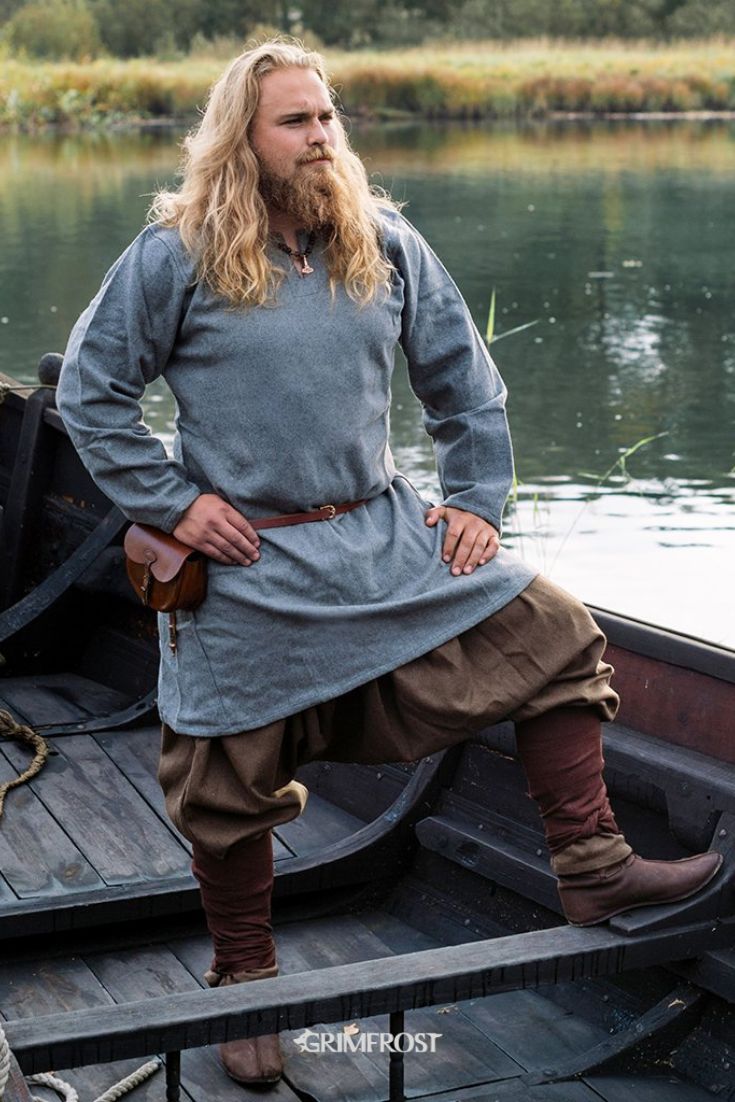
92 825
486 1050
94 820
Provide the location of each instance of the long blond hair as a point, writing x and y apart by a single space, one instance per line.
218 209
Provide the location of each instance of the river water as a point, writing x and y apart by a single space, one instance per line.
615 239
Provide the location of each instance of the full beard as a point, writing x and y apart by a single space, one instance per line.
317 197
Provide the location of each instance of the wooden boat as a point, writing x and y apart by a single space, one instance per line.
409 900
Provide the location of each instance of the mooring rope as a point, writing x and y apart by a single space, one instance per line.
7 388
19 732
47 1079
4 1062
129 1083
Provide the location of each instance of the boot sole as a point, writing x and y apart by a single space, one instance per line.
661 903
254 1082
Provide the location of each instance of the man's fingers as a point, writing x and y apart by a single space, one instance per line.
465 549
435 514
213 527
224 552
477 554
239 543
243 527
452 538
491 550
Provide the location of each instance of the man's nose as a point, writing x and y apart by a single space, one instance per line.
318 133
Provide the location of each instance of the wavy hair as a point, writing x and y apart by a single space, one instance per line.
218 209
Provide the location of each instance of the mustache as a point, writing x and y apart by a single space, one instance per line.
320 153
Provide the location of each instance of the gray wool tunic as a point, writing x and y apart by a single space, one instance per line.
279 410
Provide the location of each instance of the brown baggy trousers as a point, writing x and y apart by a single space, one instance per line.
541 651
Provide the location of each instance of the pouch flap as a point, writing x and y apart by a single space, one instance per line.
165 554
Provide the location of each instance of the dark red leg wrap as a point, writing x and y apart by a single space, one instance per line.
561 752
236 895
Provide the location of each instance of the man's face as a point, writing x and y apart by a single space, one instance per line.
294 130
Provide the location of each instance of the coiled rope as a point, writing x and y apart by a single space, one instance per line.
20 733
67 1092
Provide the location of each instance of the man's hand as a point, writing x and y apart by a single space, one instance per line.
214 527
470 540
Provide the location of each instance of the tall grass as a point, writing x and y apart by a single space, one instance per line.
479 80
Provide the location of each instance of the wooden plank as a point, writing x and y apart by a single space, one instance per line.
350 862
497 859
30 989
58 698
36 856
136 754
363 990
329 1076
532 1030
644 1088
281 851
666 645
334 939
513 1091
706 1056
300 946
128 902
304 946
696 786
397 936
462 1055
677 705
363 790
321 824
646 1043
140 973
103 814
31 471
713 971
195 954
49 987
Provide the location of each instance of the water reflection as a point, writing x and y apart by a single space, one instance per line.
616 237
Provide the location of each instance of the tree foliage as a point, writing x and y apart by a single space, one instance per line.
53 29
130 28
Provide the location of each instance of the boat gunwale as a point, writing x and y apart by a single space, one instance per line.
665 644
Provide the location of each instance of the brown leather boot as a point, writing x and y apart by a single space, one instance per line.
252 1061
591 897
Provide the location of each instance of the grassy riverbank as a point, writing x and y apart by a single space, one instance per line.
478 80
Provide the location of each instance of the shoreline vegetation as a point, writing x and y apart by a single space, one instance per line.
485 80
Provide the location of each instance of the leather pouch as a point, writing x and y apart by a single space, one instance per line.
165 573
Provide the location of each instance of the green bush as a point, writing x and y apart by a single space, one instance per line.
53 29
698 18
141 28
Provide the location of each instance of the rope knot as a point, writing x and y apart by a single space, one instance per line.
19 732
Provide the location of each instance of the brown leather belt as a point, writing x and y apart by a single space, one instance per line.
325 512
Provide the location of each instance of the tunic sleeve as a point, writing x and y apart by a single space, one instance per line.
461 391
121 343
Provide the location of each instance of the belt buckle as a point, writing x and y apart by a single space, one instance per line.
332 511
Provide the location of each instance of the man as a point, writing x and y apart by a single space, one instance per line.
271 291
